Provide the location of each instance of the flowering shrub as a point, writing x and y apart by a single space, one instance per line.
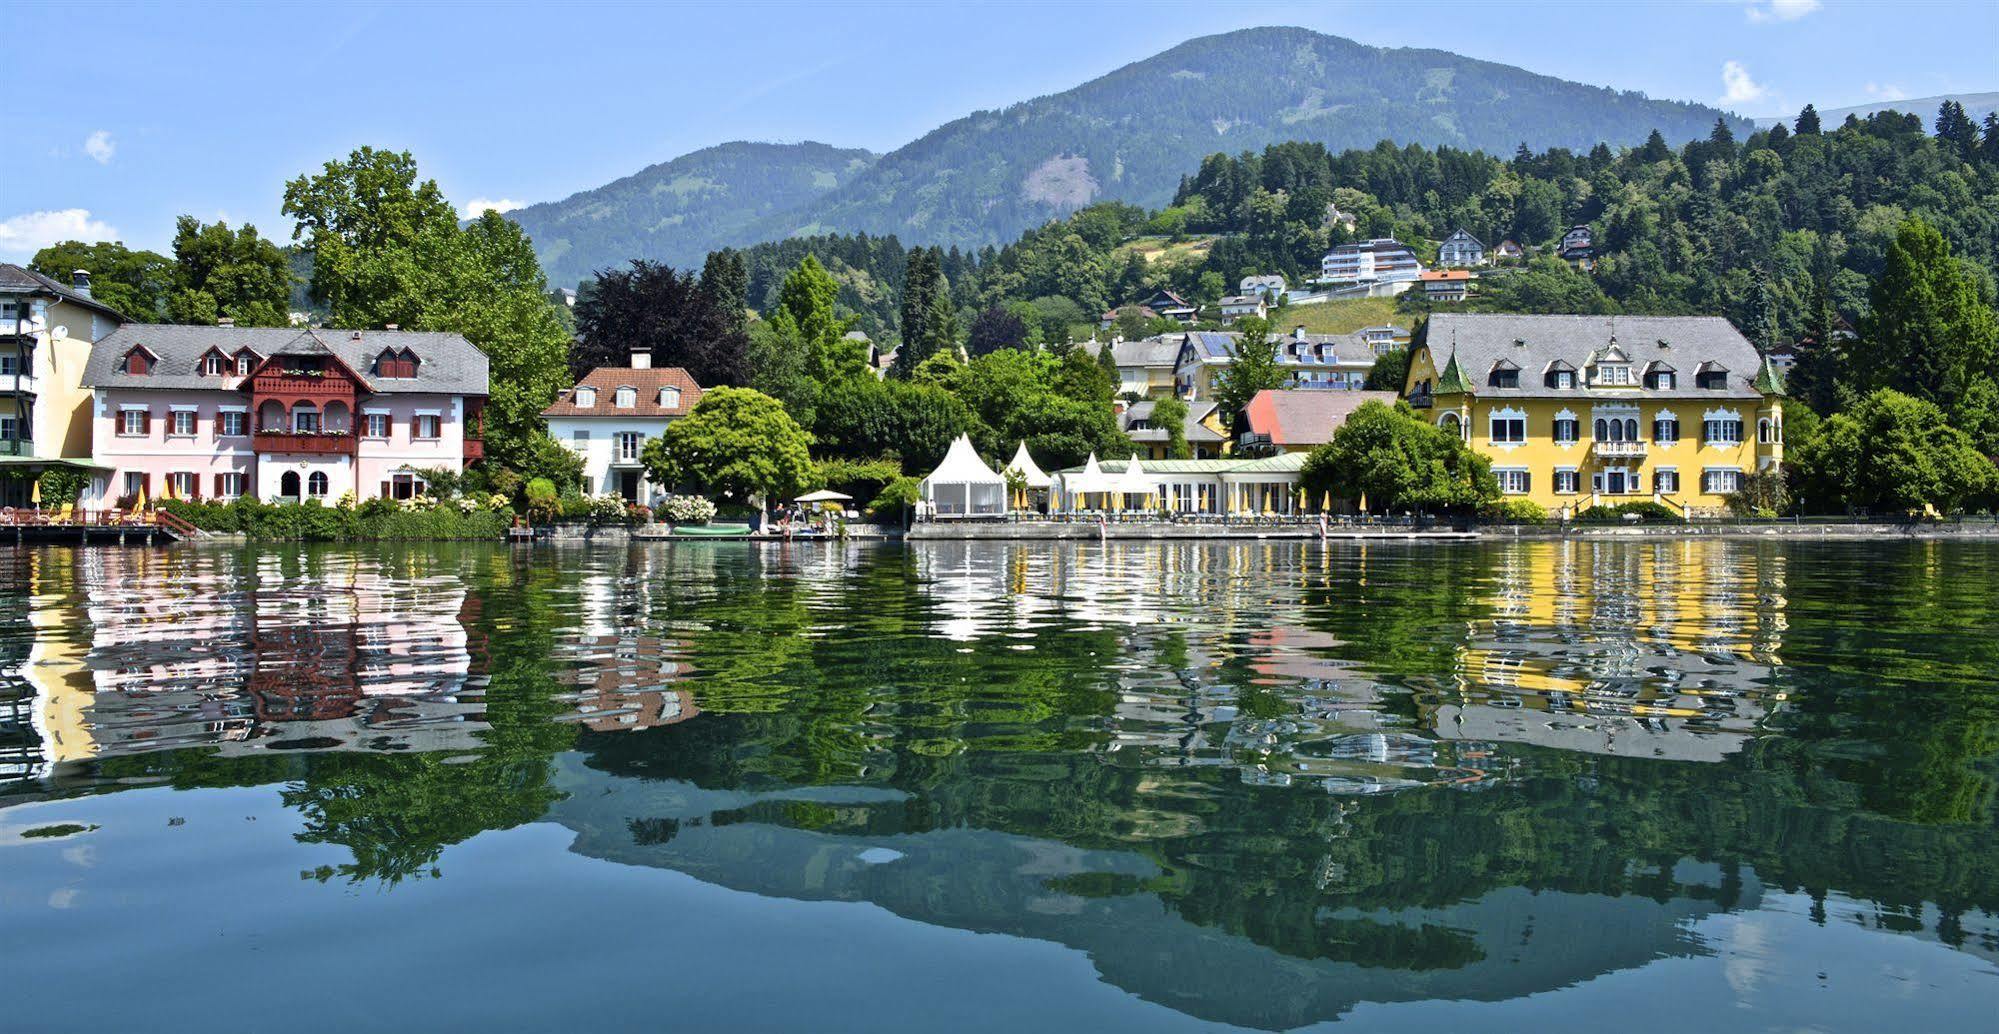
467 505
418 502
346 500
636 514
687 509
607 509
498 502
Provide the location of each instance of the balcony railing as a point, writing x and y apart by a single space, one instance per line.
474 450
320 443
300 384
1620 449
19 383
1421 400
14 447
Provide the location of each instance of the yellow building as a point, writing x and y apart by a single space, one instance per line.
46 330
1576 411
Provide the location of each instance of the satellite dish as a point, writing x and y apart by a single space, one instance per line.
61 333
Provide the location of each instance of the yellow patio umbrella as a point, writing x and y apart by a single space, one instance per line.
1301 499
1363 502
140 504
35 493
1326 502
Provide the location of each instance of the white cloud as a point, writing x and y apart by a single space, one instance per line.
1887 92
100 147
479 206
29 232
1738 86
1780 10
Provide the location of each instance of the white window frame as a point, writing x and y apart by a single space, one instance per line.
1506 476
636 439
1613 375
368 417
1708 478
626 397
1714 419
1575 481
232 484
586 398
1508 415
174 416
416 425
125 419
1659 472
1666 414
1555 428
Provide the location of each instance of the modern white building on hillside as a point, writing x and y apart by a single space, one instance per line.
611 413
1381 260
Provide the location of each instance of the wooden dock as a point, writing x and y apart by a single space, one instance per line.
21 526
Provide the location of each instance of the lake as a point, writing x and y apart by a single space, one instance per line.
1657 785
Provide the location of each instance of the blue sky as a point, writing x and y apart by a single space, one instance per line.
207 110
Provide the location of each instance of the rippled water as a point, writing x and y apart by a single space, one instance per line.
1637 785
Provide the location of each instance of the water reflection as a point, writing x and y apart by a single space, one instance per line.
1256 783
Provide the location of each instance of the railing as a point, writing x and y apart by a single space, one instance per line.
16 447
66 517
1619 448
1421 401
321 444
19 384
300 384
474 450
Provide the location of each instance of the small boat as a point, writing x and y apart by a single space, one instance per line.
713 530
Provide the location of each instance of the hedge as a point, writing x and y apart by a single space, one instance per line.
312 521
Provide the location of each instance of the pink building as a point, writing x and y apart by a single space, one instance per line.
284 414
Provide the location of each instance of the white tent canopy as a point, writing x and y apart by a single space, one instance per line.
963 485
1029 469
1134 480
824 495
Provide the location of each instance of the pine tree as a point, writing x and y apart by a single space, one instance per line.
1928 333
1956 129
1988 148
1655 149
727 280
922 283
1808 122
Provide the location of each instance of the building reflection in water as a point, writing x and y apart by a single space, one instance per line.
1666 650
624 675
244 653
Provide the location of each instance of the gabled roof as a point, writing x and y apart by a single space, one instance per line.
606 380
22 280
1465 234
1476 340
450 365
1301 417
1196 431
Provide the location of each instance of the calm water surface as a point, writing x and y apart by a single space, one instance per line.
1634 786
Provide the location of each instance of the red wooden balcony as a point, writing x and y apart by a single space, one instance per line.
317 444
474 450
299 385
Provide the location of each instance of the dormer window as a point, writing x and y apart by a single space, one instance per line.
245 362
1711 377
1662 378
1504 375
669 398
627 397
586 398
139 362
1616 375
396 365
1560 375
213 365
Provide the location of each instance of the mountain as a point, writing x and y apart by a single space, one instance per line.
680 210
1976 105
1129 135
1132 134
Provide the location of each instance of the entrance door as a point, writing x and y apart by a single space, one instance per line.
1615 482
628 485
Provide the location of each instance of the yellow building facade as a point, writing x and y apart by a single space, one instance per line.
1579 411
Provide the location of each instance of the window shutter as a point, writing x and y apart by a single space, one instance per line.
1526 482
194 487
385 490
146 422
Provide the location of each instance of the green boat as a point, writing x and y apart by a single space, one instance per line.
713 530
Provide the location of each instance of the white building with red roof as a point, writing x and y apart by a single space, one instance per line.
611 413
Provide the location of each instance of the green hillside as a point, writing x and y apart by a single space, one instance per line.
678 211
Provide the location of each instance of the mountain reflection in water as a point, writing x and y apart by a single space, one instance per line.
1258 783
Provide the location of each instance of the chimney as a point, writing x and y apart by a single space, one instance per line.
79 281
641 358
391 326
225 321
1298 332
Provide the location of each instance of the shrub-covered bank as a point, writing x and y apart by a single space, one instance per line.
376 519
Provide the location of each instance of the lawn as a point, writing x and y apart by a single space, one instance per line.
1155 249
1339 317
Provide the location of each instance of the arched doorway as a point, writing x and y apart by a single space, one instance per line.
288 485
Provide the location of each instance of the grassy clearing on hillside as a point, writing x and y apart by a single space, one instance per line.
1156 248
1339 317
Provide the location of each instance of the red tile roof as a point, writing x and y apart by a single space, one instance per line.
608 379
1306 416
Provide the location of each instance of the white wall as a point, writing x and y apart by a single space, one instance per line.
598 475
